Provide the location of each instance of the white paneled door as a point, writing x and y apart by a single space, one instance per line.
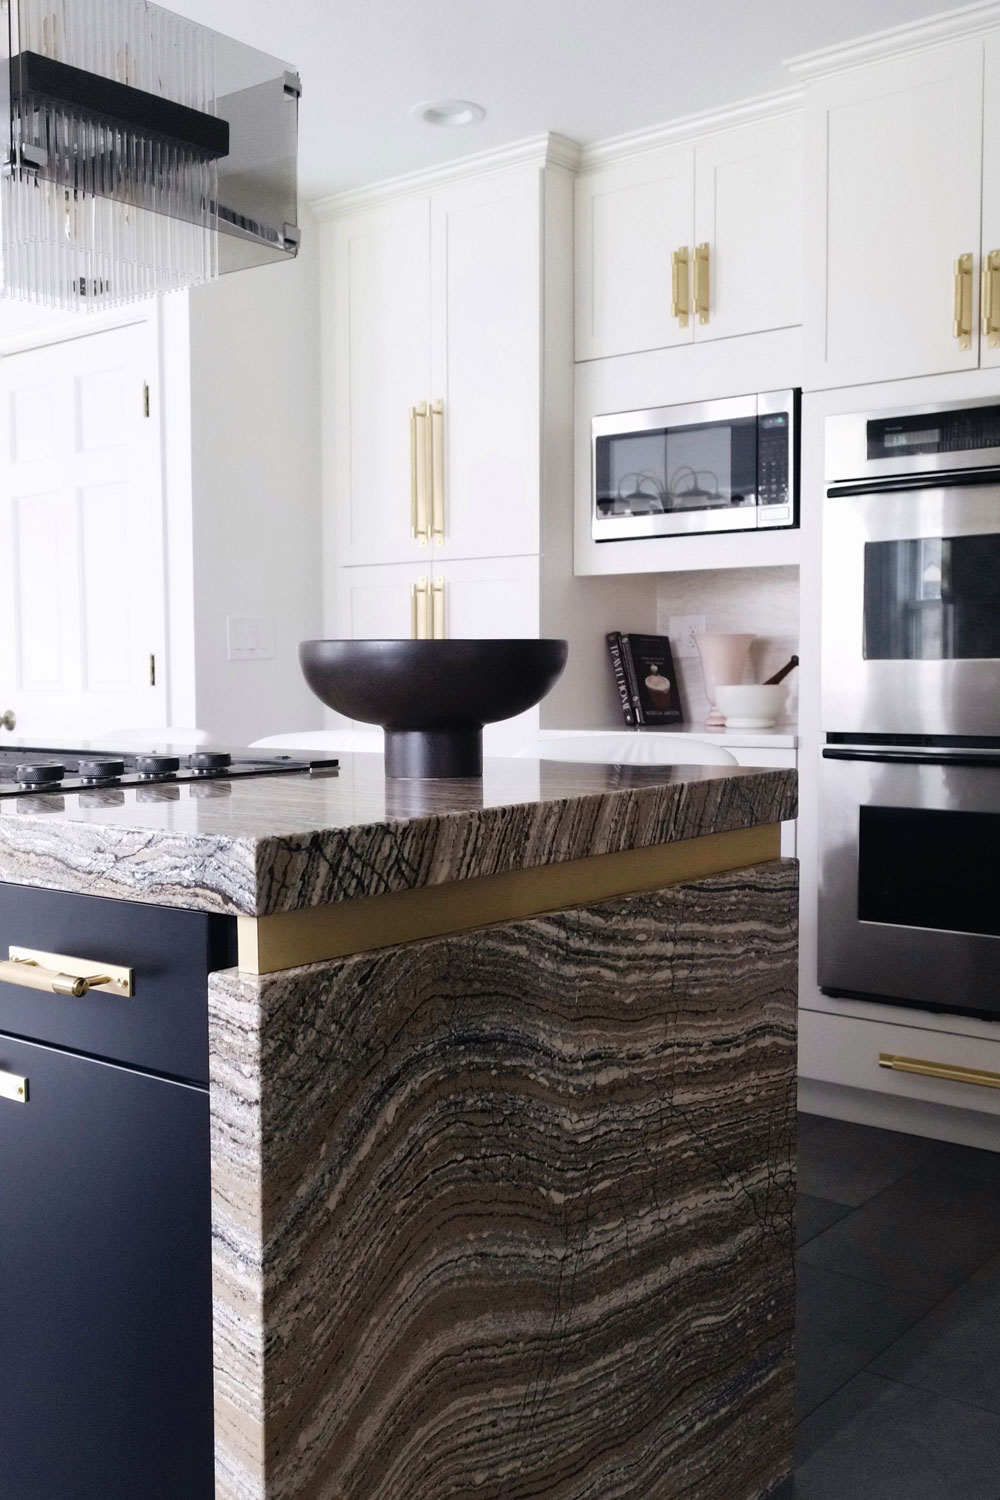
81 537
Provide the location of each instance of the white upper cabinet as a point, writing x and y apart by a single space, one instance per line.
748 228
633 219
687 243
378 351
989 352
894 171
433 308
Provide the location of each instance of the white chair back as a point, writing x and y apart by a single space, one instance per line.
628 748
348 740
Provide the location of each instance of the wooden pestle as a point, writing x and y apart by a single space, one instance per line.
782 673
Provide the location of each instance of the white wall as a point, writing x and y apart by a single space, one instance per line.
255 506
757 601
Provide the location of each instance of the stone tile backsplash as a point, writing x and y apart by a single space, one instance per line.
760 601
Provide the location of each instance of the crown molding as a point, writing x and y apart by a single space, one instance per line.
550 150
692 127
966 22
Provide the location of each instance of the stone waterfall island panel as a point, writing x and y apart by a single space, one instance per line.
507 1215
274 844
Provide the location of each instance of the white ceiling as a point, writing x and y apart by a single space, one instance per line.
586 68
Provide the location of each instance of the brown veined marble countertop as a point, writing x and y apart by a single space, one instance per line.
283 843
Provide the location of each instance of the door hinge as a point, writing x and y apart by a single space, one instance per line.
152 671
145 399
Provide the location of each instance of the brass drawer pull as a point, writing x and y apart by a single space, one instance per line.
14 1088
702 281
963 301
437 470
57 974
420 476
949 1071
991 297
419 601
680 306
437 610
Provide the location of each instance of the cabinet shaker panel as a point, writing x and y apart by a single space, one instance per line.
377 289
630 217
486 361
748 210
105 1283
893 164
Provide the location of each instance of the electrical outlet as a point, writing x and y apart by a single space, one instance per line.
683 629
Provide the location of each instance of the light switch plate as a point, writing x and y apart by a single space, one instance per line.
682 630
250 637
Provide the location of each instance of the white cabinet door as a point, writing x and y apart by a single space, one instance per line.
81 538
893 163
490 598
487 359
748 211
630 217
990 344
374 604
377 337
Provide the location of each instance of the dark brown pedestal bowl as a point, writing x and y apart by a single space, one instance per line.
432 698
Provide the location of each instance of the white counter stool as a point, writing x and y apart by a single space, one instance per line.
627 748
348 740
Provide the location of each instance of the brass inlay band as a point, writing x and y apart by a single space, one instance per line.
288 939
59 974
950 1071
14 1088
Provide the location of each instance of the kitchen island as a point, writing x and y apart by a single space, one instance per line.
502 1114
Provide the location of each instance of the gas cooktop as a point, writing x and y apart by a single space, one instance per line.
29 771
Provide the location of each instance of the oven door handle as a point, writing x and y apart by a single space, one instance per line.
953 479
904 755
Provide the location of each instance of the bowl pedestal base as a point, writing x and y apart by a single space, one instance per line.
433 754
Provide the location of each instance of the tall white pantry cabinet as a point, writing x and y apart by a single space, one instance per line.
447 306
434 365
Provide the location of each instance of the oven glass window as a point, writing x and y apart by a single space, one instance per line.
671 469
932 599
926 868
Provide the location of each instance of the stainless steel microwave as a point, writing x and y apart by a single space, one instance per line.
729 465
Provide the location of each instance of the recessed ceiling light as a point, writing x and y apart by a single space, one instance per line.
449 112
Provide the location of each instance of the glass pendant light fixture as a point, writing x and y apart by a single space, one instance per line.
146 153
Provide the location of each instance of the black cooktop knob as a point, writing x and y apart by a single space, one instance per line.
39 775
157 765
95 771
210 762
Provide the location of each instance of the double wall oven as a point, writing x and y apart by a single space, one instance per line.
910 779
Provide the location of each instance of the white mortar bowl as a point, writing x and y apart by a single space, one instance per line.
751 705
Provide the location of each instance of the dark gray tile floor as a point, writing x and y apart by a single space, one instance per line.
898 1335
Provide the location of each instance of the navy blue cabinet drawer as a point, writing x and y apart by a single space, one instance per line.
163 1026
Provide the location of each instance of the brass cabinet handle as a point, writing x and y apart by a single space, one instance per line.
949 1071
963 301
14 1088
702 282
680 306
437 610
991 297
418 611
437 470
419 474
58 974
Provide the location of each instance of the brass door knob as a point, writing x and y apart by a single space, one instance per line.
8 720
